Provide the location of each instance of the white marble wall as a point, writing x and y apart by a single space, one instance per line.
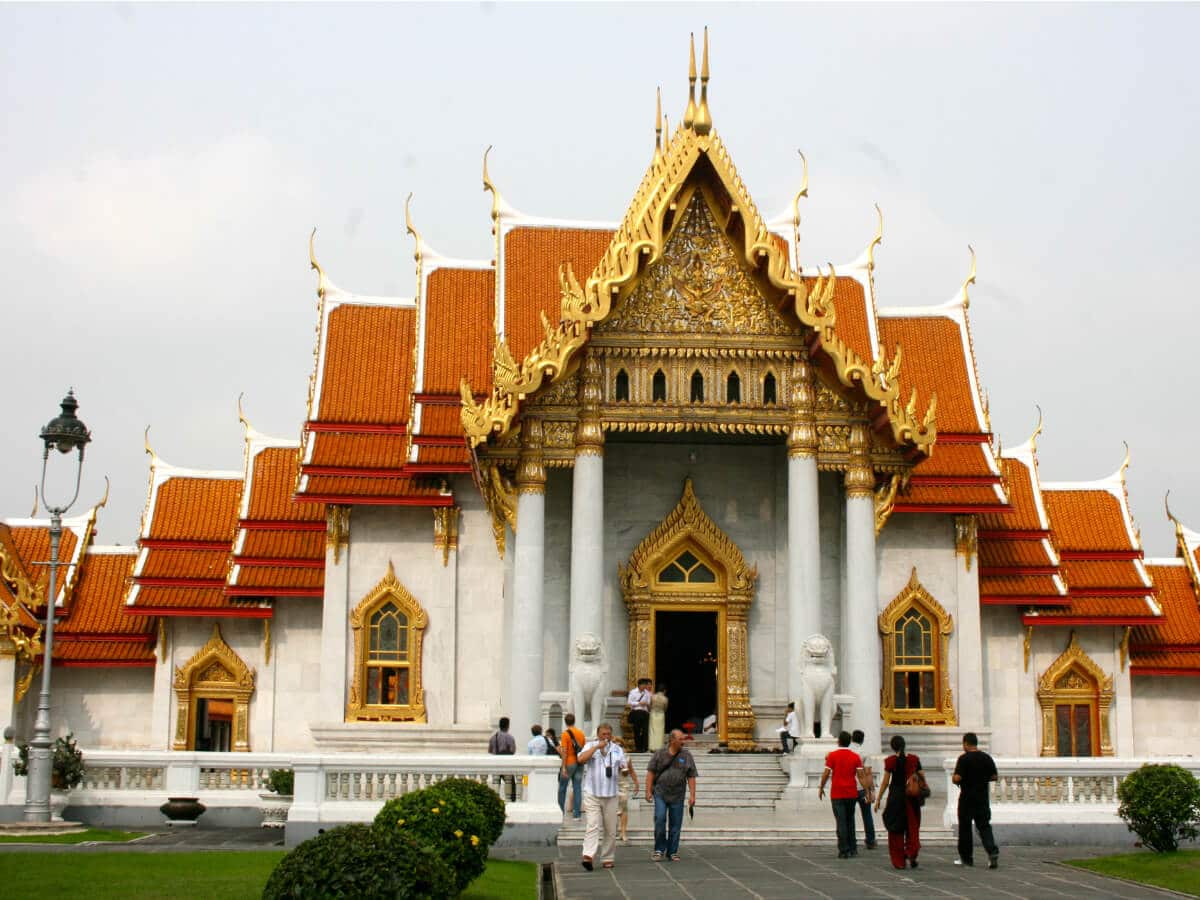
104 708
294 674
1164 716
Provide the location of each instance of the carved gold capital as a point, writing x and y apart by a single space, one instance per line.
531 468
338 531
445 531
589 433
966 538
802 439
860 477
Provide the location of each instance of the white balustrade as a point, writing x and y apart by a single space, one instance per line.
1049 789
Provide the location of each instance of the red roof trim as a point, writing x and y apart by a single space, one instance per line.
1018 570
352 472
955 480
354 500
1024 600
294 563
257 612
1158 648
434 440
171 544
106 663
956 508
997 534
437 468
964 437
81 636
354 428
1089 620
1155 670
180 582
1099 555
440 399
1111 591
238 591
279 525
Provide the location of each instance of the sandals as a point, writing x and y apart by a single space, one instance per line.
587 863
608 865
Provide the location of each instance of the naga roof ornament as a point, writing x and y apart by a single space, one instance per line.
322 280
966 298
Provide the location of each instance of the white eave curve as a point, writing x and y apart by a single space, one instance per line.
1023 453
111 550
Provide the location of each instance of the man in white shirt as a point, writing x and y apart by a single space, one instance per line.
538 745
866 796
790 730
639 715
603 762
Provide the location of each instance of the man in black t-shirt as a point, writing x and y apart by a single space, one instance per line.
973 773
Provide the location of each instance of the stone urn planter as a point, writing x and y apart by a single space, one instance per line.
182 811
58 803
275 809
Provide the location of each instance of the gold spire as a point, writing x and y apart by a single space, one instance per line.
689 115
966 298
1125 461
1178 524
658 125
1036 431
487 186
104 500
146 439
411 230
803 192
241 414
875 241
703 124
322 281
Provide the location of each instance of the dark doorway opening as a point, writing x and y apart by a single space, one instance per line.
685 661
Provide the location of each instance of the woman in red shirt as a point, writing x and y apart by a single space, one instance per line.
902 814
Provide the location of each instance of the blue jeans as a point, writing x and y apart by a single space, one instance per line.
574 777
868 819
668 821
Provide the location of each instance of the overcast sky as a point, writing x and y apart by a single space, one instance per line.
163 165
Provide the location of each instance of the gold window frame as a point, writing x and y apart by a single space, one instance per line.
358 709
215 672
1092 687
915 597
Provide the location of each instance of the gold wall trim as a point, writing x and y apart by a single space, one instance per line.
389 588
1075 678
914 596
214 671
687 526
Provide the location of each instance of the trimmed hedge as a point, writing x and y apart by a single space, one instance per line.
1161 804
361 861
449 821
487 800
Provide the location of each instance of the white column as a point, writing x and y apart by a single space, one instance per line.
859 667
804 526
526 655
587 510
968 631
335 617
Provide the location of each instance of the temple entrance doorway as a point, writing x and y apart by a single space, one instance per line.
686 657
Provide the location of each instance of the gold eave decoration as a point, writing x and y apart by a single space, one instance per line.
638 242
215 670
915 595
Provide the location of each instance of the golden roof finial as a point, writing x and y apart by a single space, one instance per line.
487 186
409 227
875 241
1178 524
322 281
1036 431
803 192
241 414
703 124
104 500
689 114
966 298
33 514
658 124
667 127
1125 462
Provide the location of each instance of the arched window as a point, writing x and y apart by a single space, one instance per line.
769 390
697 387
733 388
388 626
622 387
658 390
916 680
686 568
1075 696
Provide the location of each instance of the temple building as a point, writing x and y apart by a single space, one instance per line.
662 447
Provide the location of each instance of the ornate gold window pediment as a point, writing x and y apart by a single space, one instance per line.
1075 695
216 674
389 625
916 675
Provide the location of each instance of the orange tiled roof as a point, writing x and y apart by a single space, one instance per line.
459 335
438 419
957 459
98 607
1014 554
1180 622
1021 586
367 366
185 564
33 545
1118 610
272 544
285 577
102 654
443 455
190 508
380 490
1084 520
358 451
947 495
1020 484
934 362
272 479
188 601
532 256
1084 574
853 312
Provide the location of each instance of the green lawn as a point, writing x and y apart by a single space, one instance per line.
91 834
134 876
1178 871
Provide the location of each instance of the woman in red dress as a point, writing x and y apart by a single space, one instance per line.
902 813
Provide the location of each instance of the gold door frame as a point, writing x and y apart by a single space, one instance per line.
1076 678
689 527
214 672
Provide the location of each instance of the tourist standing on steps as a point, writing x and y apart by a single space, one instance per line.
603 761
504 744
973 773
639 715
865 797
670 771
658 719
789 731
571 772
846 768
902 814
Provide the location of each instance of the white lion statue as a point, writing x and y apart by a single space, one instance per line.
589 674
817 674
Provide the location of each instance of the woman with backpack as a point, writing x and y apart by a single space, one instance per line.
905 787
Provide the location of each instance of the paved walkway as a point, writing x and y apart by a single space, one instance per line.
727 873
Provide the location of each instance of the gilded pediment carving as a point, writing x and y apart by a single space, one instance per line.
698 286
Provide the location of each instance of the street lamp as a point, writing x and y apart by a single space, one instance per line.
64 433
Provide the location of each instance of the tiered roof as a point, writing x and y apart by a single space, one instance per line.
98 632
1171 646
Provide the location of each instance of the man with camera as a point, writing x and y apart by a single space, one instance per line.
603 761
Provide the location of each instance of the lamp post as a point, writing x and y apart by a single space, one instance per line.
64 433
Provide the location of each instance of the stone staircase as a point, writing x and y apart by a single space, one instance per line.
736 803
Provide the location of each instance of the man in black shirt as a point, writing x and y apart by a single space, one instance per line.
973 772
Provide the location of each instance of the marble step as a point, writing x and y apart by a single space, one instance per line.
801 835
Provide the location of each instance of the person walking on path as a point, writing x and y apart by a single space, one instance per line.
973 773
603 761
865 797
639 715
668 773
504 744
846 768
658 720
902 813
627 786
571 772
